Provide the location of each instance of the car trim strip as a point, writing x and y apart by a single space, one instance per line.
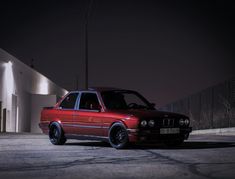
85 126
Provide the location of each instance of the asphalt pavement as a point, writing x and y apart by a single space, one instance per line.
30 156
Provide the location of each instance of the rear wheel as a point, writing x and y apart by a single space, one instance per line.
56 134
118 136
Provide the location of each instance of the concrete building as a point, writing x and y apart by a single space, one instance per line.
23 93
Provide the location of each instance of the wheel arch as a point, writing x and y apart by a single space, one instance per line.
57 123
118 122
55 120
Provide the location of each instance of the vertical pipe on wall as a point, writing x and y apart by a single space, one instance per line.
4 119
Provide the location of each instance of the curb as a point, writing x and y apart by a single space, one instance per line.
219 131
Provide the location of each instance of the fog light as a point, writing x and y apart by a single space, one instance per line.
143 123
151 123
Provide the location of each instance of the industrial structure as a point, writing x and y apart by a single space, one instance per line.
23 93
210 108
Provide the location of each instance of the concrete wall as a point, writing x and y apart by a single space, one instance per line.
19 84
1 78
37 103
24 112
211 108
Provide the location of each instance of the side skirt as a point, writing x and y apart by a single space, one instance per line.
86 137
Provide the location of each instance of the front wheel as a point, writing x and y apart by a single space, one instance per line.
118 136
56 134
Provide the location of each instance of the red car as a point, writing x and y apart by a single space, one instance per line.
115 115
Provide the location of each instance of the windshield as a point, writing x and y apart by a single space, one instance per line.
125 100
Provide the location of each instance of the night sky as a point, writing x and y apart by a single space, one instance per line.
166 50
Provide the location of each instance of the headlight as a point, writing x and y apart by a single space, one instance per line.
143 123
186 122
181 122
151 123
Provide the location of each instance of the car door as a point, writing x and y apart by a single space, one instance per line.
66 112
88 117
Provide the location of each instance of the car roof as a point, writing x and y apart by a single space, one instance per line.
98 89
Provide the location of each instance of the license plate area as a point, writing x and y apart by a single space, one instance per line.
169 131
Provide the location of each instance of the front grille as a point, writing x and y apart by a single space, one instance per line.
162 123
168 122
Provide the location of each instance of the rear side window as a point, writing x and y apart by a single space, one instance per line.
89 101
69 101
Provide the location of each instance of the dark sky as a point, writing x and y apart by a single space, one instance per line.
164 49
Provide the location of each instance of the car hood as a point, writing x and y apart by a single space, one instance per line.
149 113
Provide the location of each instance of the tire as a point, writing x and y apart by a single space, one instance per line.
174 143
56 134
118 136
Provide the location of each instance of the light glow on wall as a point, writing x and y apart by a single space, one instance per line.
8 92
43 86
9 78
65 92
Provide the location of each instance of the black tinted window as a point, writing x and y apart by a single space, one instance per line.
69 102
89 101
124 100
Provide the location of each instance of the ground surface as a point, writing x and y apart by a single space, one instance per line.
32 156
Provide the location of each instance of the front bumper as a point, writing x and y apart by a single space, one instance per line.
136 135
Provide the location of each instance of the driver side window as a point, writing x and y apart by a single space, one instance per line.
132 99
